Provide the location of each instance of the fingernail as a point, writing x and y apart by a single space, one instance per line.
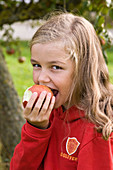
49 94
53 98
35 93
44 92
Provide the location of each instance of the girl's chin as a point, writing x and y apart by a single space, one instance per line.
58 101
57 104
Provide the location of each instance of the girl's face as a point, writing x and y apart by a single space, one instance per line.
51 68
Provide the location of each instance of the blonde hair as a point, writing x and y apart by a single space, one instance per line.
91 89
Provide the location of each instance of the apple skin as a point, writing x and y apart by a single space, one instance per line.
21 59
10 51
35 88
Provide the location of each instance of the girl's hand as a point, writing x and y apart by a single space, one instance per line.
39 114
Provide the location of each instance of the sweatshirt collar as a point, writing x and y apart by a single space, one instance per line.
72 114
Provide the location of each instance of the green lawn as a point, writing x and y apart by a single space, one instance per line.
110 63
22 72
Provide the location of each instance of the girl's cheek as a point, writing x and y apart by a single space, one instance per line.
35 78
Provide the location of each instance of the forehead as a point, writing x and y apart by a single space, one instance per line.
50 50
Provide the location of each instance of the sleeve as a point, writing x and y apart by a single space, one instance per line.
97 154
30 152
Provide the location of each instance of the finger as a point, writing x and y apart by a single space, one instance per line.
44 118
39 103
46 104
30 104
41 120
51 106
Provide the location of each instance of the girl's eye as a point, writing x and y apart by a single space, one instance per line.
36 65
57 67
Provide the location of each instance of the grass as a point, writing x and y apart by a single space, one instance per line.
110 63
22 72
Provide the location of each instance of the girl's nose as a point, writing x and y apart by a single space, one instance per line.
43 77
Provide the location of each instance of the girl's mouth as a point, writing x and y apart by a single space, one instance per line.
55 92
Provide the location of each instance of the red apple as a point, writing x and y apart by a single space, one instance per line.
102 41
32 89
10 51
21 59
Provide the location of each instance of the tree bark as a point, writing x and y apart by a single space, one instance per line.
11 119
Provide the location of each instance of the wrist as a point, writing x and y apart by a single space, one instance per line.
39 126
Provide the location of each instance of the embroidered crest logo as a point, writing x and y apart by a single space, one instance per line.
72 145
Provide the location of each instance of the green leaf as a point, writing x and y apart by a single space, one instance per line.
104 10
100 20
108 25
111 13
90 7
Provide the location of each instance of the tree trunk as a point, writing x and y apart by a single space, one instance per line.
11 119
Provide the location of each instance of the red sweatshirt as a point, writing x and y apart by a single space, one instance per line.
70 143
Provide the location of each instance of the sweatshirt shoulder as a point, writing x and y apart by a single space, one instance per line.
92 137
89 133
95 152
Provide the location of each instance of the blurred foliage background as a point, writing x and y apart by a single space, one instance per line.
98 12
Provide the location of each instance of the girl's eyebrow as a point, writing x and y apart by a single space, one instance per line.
51 62
33 61
56 62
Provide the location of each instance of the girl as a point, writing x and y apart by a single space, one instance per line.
73 129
